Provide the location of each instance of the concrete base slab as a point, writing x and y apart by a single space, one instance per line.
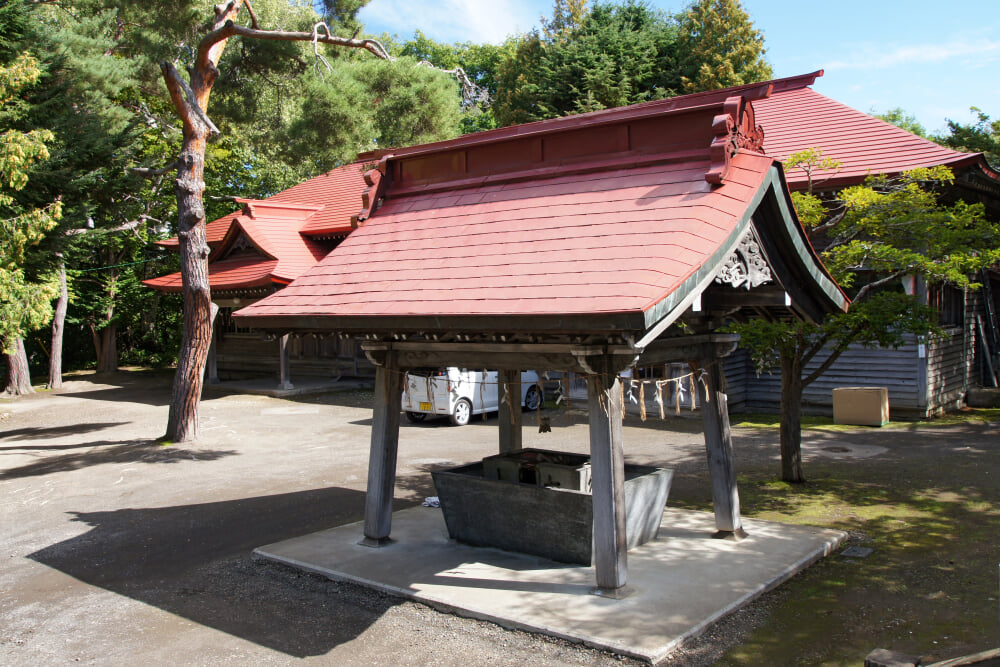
680 583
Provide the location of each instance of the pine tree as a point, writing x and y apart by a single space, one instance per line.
719 47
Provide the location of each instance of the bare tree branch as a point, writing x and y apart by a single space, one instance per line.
878 283
253 16
184 99
149 172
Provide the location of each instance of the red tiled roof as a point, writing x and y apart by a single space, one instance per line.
275 229
616 242
611 215
795 118
235 273
338 191
215 231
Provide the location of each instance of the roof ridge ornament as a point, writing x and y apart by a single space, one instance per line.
372 195
735 129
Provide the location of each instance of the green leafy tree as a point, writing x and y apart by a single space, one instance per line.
900 118
719 47
874 234
982 136
614 55
25 300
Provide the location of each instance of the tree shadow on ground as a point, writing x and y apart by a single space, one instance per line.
195 561
41 433
107 451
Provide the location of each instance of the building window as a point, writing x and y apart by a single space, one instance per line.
950 304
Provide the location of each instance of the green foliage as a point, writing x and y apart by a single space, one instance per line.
368 104
618 54
24 298
719 47
983 136
812 160
810 209
896 224
883 229
567 17
480 62
908 122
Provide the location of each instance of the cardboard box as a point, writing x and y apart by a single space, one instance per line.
862 406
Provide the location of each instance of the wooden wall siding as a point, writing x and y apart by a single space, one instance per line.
244 355
738 370
952 364
896 369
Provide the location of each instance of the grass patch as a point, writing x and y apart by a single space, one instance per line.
929 588
818 423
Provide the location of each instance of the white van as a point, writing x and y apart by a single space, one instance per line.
459 393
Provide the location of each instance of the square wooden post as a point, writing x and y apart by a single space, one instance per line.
382 457
284 368
719 448
510 415
212 366
607 471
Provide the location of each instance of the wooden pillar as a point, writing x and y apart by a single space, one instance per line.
382 457
510 416
211 366
719 448
284 366
607 471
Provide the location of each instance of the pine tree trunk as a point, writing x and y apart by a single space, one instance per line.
58 322
791 418
18 373
196 339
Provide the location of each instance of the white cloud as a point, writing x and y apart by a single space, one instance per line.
451 20
875 58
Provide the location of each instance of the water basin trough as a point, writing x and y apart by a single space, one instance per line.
531 502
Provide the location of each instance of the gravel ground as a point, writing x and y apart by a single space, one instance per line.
119 550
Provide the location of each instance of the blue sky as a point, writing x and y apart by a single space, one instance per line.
933 59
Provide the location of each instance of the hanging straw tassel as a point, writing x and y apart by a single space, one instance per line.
677 396
659 398
694 393
642 401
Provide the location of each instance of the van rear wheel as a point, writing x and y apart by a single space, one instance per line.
462 413
416 417
531 398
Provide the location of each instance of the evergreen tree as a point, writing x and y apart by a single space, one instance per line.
617 54
719 47
983 136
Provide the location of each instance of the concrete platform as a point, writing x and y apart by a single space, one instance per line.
681 583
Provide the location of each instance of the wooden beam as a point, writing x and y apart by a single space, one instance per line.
539 356
510 416
719 448
284 367
382 457
607 469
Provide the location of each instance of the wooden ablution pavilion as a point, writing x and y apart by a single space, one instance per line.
587 244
